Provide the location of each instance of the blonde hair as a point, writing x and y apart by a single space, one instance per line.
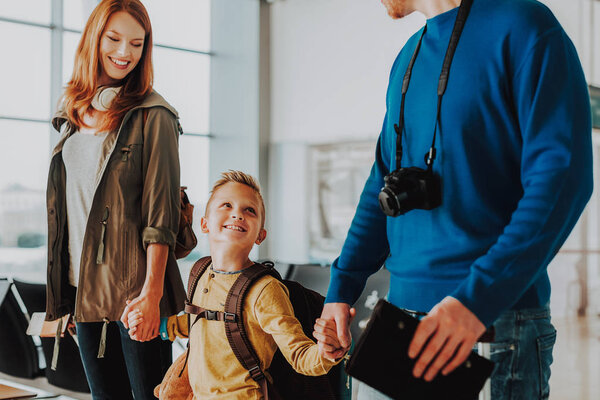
80 90
243 178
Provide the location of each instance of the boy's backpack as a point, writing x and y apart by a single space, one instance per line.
186 238
308 304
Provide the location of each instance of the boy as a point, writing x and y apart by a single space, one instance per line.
234 222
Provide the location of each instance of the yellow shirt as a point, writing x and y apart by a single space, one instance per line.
214 371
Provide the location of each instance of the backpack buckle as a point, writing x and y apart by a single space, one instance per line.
210 315
256 373
230 317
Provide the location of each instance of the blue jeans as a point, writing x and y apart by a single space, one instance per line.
522 351
129 369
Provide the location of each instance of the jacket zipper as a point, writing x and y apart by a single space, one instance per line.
125 153
100 256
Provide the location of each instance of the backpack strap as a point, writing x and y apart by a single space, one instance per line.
195 273
234 327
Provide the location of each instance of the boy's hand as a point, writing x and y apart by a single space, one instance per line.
326 335
134 318
341 314
148 328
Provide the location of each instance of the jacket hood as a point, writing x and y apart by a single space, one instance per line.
152 100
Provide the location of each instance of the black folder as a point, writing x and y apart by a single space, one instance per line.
381 361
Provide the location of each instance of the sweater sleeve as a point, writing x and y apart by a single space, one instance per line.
552 108
275 314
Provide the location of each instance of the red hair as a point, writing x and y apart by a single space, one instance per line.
83 84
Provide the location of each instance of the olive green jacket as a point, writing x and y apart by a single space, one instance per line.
136 202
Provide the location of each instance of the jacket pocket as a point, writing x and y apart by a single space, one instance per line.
126 159
129 260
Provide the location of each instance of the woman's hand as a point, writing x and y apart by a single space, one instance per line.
148 302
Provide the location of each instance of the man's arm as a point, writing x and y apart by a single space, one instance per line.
552 106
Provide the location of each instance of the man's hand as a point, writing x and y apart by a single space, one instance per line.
342 314
148 306
450 330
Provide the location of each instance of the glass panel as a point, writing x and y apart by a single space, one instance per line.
76 13
70 42
27 10
24 151
193 157
25 77
184 23
183 79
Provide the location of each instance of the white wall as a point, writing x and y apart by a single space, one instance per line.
581 21
329 63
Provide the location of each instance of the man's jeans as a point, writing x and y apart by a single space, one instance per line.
129 368
522 351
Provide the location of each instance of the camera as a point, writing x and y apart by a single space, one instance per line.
409 188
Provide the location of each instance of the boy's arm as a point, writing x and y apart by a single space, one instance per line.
275 314
174 326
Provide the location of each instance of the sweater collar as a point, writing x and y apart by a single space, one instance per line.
441 24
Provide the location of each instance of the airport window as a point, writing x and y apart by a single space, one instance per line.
39 49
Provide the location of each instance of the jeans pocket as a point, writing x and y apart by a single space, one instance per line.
545 344
503 356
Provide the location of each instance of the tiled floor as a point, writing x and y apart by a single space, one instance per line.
575 371
42 388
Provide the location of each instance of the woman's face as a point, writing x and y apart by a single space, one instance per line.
121 47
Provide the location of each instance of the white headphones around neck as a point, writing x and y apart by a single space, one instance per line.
104 97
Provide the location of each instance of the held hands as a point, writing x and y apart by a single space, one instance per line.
144 313
332 330
444 338
134 318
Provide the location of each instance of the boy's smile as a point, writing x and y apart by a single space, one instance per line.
234 218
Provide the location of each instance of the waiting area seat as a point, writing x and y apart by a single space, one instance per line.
18 353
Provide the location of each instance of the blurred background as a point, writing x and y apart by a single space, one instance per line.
291 91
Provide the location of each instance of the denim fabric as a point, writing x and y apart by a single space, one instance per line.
522 352
129 369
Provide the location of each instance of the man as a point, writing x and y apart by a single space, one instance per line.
515 162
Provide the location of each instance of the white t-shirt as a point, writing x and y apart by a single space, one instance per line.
81 155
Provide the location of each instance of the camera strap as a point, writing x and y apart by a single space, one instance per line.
461 18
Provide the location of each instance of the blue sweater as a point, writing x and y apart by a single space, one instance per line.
515 159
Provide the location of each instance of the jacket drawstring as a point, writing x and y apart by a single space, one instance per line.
100 256
56 344
102 347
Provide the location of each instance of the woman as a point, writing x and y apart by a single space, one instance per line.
113 205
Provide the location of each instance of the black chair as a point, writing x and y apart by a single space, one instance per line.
69 372
18 353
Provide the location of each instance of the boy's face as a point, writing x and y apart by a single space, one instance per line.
234 215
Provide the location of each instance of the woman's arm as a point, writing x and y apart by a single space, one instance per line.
148 302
